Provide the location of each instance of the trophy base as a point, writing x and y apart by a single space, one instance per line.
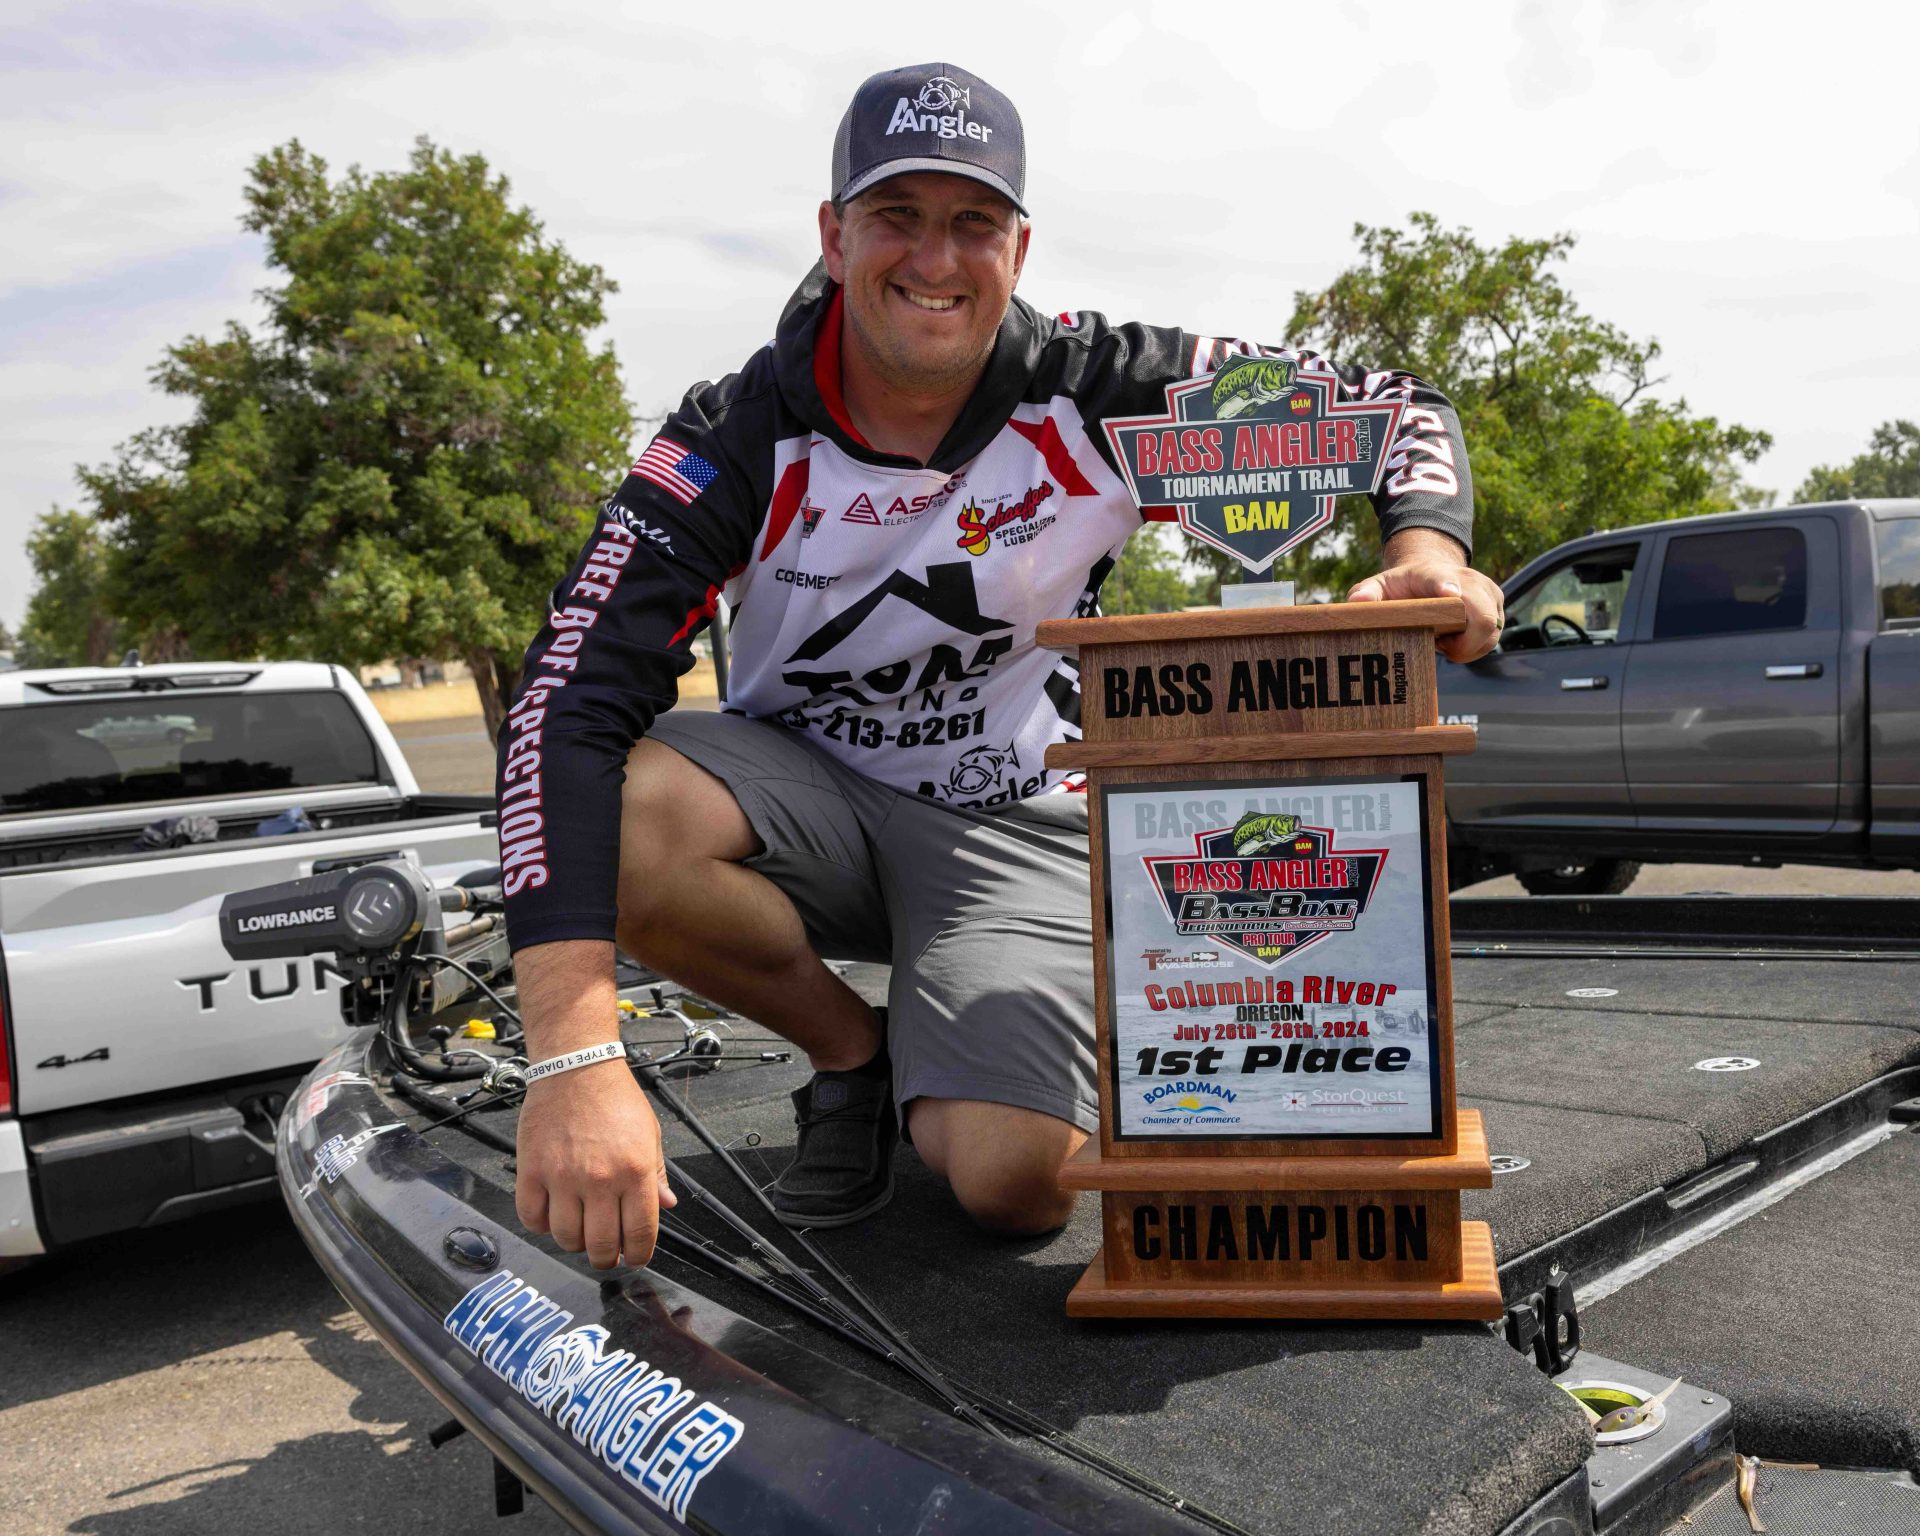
1474 1297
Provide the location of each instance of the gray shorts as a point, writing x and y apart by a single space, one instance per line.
983 915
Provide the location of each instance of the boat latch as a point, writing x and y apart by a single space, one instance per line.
1546 1324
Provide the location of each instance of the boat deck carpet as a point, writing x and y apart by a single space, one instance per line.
1328 1428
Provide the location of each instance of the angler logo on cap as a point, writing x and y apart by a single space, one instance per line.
936 101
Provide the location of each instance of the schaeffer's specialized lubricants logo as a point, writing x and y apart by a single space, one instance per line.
1253 456
1266 886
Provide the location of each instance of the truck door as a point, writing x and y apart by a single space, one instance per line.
1731 714
1546 704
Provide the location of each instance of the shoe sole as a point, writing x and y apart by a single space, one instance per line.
800 1222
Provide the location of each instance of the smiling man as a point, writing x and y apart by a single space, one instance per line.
891 495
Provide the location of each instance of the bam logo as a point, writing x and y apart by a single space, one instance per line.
1267 886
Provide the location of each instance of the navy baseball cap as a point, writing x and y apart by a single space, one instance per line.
930 117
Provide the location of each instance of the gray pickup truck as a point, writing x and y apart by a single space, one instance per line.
142 1069
1740 689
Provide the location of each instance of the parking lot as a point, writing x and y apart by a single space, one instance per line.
205 1377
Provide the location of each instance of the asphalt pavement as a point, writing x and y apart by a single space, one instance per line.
206 1377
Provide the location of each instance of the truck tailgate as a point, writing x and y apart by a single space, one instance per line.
118 983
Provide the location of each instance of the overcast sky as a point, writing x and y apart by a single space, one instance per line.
1743 178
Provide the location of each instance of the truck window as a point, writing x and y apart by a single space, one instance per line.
178 746
1732 583
1899 544
1588 593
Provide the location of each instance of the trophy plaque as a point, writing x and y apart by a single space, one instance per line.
1278 1132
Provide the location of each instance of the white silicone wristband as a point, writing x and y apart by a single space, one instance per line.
613 1050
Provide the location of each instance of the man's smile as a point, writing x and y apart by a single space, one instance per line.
927 301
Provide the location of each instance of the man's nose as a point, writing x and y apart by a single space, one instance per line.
936 255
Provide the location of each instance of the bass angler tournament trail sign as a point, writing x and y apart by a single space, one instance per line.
1253 456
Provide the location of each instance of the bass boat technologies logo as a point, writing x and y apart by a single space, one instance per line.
1266 887
1253 456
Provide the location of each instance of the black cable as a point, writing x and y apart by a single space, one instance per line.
473 976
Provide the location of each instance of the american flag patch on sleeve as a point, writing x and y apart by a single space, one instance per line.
678 471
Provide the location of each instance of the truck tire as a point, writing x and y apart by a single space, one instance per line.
1596 877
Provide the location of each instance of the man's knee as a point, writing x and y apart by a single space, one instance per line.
673 813
1002 1161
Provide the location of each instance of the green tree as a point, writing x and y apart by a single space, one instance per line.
1562 431
68 623
1147 577
404 457
1889 467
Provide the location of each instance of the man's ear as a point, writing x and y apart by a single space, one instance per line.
831 250
1020 251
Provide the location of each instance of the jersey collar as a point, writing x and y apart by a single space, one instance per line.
807 365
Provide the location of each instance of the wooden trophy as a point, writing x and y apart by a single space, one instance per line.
1278 1133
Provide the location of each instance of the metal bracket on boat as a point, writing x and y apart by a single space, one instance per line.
1546 1324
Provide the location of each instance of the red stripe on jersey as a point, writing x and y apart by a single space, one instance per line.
1045 435
1160 514
706 610
787 496
826 368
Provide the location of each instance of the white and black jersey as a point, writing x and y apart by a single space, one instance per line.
884 607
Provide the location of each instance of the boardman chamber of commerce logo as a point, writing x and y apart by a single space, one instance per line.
1190 1100
1253 456
1266 887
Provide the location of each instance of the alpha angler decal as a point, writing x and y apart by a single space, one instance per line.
637 1419
1266 887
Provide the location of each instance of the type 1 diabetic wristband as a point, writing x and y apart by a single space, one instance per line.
613 1050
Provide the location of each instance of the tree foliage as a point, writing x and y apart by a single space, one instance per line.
403 458
1889 467
68 623
1562 429
1147 577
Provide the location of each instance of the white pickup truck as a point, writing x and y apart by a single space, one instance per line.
142 1070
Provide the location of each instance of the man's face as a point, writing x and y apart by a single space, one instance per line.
928 262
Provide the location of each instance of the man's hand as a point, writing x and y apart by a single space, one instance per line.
1424 562
591 1168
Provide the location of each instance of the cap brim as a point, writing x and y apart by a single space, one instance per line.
879 173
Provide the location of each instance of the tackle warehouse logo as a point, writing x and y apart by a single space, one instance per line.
1253 456
1266 887
1011 522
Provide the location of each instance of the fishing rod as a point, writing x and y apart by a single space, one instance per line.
979 1401
789 1285
682 1243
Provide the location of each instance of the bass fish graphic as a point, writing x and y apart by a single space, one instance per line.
1244 386
1256 834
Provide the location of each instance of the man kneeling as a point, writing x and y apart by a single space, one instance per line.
892 494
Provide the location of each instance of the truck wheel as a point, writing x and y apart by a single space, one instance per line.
1598 877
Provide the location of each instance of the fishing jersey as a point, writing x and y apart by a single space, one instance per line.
883 607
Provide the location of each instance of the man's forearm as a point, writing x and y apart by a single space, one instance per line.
1411 544
567 996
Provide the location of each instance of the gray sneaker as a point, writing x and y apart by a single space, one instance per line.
842 1170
